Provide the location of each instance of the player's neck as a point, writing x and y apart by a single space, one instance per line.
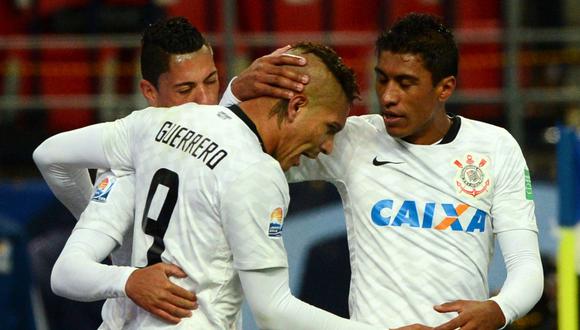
258 110
437 130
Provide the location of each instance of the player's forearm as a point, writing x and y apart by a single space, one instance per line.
63 161
78 273
274 307
524 283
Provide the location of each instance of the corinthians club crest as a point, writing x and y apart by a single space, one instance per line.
472 177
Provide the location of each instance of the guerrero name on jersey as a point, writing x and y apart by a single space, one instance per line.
207 198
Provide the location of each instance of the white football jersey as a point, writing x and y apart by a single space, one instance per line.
112 206
207 198
421 219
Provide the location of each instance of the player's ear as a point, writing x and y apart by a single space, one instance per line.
295 104
446 87
149 92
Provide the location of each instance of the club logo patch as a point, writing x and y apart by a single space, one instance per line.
103 189
472 177
276 223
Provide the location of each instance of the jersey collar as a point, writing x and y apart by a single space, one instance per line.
453 130
242 115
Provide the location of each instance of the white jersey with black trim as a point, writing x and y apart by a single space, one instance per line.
187 162
421 219
112 206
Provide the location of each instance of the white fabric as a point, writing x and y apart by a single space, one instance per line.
111 211
395 196
229 98
78 274
237 200
267 289
60 167
525 277
268 295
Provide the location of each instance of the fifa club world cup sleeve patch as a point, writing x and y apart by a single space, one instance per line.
472 177
276 223
103 189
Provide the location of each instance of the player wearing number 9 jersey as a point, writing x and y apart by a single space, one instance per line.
211 195
177 67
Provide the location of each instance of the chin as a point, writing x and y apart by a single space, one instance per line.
394 132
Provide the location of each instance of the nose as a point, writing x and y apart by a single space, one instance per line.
201 96
390 95
327 146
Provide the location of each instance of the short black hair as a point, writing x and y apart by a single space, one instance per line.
425 35
345 75
164 38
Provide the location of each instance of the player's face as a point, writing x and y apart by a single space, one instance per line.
312 132
411 106
191 78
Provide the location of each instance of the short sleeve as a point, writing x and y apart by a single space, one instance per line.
513 204
111 207
253 209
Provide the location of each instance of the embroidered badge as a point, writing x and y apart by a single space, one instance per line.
528 185
472 177
276 223
103 189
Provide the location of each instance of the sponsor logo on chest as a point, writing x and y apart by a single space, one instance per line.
430 215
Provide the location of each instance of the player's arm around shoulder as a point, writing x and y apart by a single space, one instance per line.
63 160
270 75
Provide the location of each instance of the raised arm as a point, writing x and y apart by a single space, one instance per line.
270 75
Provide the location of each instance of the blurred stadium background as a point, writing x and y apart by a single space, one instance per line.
69 63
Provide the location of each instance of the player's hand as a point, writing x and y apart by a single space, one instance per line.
267 76
480 315
151 289
415 326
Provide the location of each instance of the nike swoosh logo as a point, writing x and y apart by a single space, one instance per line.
377 162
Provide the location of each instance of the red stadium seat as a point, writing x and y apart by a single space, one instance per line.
69 73
481 63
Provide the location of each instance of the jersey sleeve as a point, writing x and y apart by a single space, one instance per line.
78 274
512 204
328 167
253 209
66 172
229 98
524 282
118 141
111 207
268 294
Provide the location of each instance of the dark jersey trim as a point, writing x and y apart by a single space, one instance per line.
453 130
242 115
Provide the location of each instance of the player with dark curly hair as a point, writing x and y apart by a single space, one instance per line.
426 193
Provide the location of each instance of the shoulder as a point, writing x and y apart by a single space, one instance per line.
362 127
498 142
371 122
489 132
